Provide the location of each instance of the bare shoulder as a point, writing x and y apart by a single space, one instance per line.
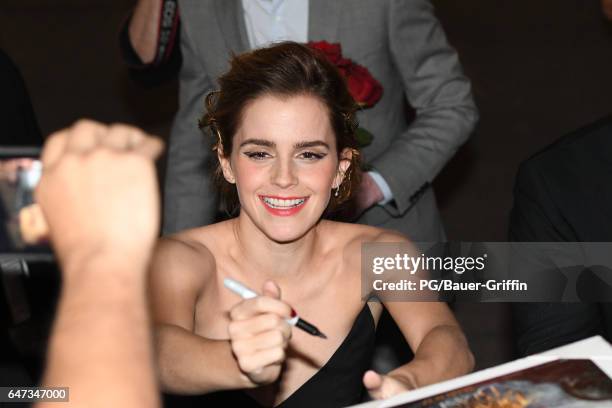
349 238
354 235
180 270
182 257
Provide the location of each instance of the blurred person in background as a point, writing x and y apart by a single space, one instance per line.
19 128
563 194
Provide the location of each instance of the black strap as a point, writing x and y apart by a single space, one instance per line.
168 26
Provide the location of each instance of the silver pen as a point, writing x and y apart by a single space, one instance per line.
246 293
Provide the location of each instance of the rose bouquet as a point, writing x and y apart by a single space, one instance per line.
364 88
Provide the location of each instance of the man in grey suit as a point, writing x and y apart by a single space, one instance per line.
399 41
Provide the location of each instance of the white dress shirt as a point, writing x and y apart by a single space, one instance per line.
269 21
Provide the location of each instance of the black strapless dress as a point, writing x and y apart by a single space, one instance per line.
337 384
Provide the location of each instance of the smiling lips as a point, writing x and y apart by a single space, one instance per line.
283 206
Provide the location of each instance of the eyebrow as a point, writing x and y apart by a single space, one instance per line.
299 145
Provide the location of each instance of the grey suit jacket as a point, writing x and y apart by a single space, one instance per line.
404 47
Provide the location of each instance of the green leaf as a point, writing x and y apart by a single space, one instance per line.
364 138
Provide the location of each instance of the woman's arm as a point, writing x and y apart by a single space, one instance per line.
191 364
441 351
440 348
185 360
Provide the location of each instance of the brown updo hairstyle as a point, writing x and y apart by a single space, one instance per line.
285 69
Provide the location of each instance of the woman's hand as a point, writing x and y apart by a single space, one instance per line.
259 335
381 386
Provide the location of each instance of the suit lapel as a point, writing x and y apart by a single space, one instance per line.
323 19
231 21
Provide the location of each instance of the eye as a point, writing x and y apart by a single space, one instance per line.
257 155
312 155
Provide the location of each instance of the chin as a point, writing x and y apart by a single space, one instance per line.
286 234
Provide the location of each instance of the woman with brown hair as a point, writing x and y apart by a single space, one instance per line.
284 125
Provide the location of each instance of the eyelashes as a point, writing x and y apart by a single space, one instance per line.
256 155
312 155
307 155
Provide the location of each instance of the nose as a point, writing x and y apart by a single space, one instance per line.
284 174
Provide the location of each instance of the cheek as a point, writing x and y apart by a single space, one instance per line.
249 174
321 174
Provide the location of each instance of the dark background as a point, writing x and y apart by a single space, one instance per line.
539 68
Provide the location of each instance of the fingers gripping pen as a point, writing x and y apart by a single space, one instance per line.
246 293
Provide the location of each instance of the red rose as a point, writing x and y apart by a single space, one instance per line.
333 52
366 90
363 87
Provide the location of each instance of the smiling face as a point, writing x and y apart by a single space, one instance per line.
284 164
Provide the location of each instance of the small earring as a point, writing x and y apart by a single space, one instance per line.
336 193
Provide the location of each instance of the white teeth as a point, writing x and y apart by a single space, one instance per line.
280 203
